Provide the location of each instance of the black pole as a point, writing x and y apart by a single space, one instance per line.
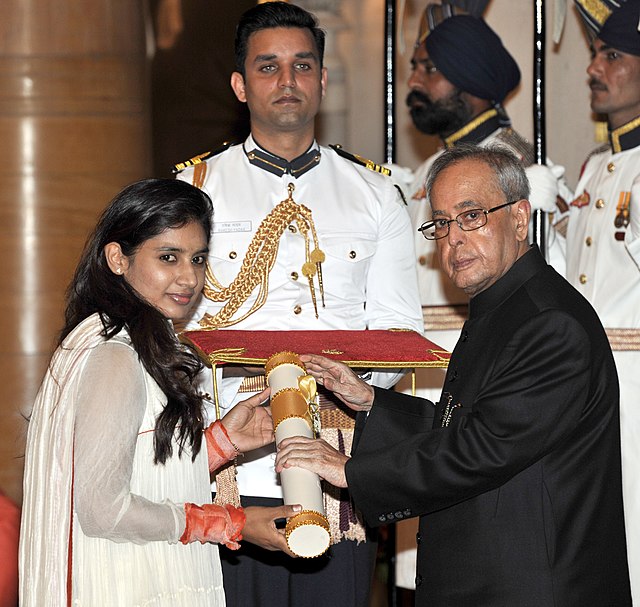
390 157
389 69
539 127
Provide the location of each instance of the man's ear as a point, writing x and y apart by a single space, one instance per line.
237 84
117 261
323 81
522 216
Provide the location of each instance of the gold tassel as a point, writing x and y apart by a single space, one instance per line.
227 491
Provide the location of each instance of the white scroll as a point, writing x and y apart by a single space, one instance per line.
292 390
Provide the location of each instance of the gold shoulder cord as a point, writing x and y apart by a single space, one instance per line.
258 262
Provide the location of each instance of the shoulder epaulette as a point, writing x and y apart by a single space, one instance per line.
369 164
599 150
605 147
518 144
181 166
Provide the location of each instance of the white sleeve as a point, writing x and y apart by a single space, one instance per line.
392 283
110 408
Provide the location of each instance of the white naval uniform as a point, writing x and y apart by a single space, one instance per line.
369 274
437 296
605 268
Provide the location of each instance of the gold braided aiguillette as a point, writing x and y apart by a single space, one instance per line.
259 261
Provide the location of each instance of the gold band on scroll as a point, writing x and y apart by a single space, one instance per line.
307 517
287 403
282 358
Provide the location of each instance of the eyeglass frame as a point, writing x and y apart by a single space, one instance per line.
427 224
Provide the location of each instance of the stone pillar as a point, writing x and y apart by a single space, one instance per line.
74 130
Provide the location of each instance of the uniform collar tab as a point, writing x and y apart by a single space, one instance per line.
626 136
479 128
279 166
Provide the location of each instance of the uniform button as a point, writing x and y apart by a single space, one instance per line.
352 254
583 279
233 255
465 336
418 537
390 516
422 260
293 229
399 515
297 309
588 241
611 167
599 203
418 580
294 276
382 518
407 512
453 376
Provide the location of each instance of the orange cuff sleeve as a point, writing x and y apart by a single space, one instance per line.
213 523
220 449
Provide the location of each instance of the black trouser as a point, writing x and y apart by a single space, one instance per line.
261 578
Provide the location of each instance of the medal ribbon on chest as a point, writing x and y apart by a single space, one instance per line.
622 210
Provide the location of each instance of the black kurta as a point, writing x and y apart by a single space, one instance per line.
516 472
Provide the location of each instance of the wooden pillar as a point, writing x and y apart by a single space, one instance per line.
74 131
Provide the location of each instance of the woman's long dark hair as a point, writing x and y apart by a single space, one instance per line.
141 211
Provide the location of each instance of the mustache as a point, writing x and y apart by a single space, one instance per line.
594 83
417 96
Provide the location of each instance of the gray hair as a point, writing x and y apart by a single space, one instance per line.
509 172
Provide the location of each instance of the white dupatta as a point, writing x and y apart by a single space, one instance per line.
45 553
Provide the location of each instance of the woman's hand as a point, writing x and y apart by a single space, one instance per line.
260 527
249 424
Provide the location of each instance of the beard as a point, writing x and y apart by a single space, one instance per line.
441 117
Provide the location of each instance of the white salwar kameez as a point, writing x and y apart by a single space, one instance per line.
90 445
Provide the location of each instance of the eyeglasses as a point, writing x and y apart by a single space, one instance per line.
470 220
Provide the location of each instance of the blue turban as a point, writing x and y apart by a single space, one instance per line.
620 30
471 56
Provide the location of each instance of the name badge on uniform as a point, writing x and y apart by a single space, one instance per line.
226 227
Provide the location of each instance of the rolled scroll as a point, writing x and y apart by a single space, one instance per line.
292 389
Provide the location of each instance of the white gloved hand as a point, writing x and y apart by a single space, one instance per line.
544 186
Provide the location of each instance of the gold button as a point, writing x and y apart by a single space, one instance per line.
611 167
599 203
293 229
297 309
422 260
294 276
233 255
588 241
583 279
352 254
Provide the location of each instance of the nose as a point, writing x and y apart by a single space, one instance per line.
414 82
593 69
188 275
456 234
287 78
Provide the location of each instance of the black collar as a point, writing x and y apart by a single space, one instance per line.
279 166
626 136
479 128
522 270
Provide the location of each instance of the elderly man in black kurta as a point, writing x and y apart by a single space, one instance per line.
515 472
